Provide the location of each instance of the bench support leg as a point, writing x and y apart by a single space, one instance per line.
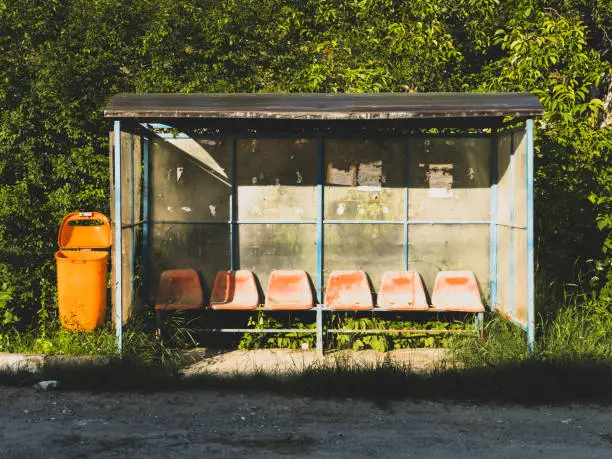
319 329
480 325
159 326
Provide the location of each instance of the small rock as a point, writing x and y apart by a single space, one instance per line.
47 385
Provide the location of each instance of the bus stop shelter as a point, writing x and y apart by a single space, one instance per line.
323 182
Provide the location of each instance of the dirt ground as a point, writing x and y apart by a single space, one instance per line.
36 423
55 424
283 361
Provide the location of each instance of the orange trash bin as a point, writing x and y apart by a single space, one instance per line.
82 270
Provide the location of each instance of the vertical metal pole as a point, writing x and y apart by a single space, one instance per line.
320 216
530 239
406 205
132 220
233 208
512 189
145 217
479 323
493 225
118 259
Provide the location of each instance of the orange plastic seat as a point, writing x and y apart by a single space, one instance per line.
456 291
402 290
179 289
234 290
289 289
348 290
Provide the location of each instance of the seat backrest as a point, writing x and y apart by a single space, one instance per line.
456 291
348 290
402 290
289 289
234 290
179 289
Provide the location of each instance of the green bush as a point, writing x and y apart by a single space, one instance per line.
72 56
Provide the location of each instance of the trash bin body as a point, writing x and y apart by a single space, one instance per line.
82 271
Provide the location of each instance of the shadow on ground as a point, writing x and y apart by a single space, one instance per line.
338 375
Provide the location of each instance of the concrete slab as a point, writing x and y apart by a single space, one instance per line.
286 361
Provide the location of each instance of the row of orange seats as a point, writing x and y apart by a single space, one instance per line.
346 291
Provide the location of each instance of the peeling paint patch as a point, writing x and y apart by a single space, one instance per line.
179 173
186 209
298 177
340 209
213 209
170 209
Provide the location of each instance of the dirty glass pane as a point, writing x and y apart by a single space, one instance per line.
519 243
190 180
434 248
368 247
449 179
364 179
504 287
520 179
276 179
264 248
504 187
205 248
131 212
131 178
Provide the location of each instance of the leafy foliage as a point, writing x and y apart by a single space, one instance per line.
63 60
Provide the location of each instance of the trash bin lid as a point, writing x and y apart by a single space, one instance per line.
84 230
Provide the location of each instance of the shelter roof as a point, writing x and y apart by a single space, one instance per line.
303 106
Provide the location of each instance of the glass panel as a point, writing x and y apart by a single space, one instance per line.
449 179
434 248
364 179
504 188
503 269
190 181
276 179
264 248
131 211
520 179
520 274
368 247
205 248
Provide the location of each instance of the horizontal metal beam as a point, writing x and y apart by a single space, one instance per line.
133 225
262 330
510 225
346 331
329 222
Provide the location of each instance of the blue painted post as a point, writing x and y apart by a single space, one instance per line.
132 219
320 216
145 217
492 233
118 259
233 207
530 239
493 226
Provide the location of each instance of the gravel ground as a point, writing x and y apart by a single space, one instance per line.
205 423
